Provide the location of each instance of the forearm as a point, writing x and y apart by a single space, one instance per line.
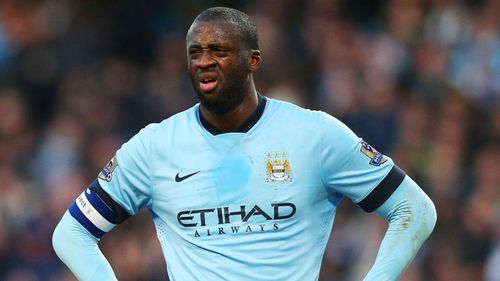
79 251
412 216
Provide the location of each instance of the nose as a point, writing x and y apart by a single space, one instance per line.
205 60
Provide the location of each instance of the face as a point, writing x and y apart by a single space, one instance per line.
219 65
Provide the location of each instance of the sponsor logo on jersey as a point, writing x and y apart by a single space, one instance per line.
278 168
236 220
107 173
376 158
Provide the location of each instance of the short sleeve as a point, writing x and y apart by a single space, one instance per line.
126 177
352 167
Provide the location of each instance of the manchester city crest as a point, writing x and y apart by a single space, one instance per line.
278 168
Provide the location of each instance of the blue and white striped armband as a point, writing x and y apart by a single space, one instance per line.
93 213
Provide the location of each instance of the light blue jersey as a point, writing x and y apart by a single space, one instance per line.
254 205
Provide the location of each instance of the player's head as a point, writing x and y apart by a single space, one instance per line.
222 48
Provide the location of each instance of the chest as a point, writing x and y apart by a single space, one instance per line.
247 180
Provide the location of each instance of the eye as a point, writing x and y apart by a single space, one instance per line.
220 52
194 53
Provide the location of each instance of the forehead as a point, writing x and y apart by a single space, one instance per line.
213 32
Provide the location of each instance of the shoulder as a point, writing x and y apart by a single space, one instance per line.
300 116
173 122
319 124
160 133
284 109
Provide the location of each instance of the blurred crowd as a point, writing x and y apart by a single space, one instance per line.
417 79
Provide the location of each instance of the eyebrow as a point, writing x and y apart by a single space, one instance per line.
210 45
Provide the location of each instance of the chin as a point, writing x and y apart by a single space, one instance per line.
220 101
213 102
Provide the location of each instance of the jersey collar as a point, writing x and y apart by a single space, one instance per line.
245 127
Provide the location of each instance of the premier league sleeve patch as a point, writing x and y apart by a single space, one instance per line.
376 158
107 173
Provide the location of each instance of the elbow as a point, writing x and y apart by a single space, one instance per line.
63 238
423 219
430 217
416 216
58 241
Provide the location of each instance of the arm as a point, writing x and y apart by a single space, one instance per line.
355 169
78 249
412 216
121 190
75 238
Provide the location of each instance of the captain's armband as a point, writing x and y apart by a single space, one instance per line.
95 210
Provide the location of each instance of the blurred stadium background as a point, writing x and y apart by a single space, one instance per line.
417 79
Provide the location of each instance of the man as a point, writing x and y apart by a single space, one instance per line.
242 187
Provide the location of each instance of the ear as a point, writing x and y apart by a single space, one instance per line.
254 60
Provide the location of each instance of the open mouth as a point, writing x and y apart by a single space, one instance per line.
208 81
208 84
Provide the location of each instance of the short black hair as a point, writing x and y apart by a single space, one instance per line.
242 21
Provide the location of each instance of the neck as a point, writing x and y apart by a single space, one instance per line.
234 118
